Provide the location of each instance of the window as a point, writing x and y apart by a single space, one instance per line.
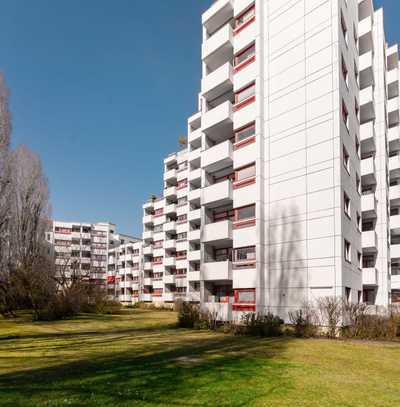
245 132
358 150
346 159
158 260
182 184
245 18
245 254
182 166
182 218
159 212
348 293
345 115
245 172
347 251
158 228
181 236
245 55
245 296
223 215
247 212
181 255
223 254
359 222
158 244
345 72
182 201
346 203
245 93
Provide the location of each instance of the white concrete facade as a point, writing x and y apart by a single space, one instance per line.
291 193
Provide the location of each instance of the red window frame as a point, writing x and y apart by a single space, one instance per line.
238 66
158 212
242 264
250 99
221 216
240 26
244 182
241 305
242 223
181 219
182 184
158 244
182 255
158 260
248 140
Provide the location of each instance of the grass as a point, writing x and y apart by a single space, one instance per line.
139 358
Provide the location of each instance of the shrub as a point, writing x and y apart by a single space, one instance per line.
304 322
331 312
189 315
261 325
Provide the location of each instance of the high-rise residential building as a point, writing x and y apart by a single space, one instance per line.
83 248
290 183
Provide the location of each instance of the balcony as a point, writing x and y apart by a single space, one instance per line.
194 255
194 235
125 298
393 105
394 163
367 137
170 175
170 159
367 105
148 281
218 232
194 215
369 241
194 296
193 276
170 192
125 284
394 135
220 12
148 219
169 261
219 116
148 265
148 206
158 283
396 282
366 42
218 157
169 279
368 169
368 204
135 286
170 209
218 82
370 276
194 195
392 76
217 271
395 251
148 235
394 192
148 250
222 311
218 49
366 70
170 226
395 223
195 155
195 175
170 244
194 135
217 194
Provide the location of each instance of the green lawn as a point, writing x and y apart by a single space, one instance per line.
141 359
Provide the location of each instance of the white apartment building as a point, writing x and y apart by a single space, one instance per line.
84 247
290 183
125 270
171 237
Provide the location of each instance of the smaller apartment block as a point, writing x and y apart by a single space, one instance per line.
83 248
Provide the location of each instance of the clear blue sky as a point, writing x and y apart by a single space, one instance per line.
101 89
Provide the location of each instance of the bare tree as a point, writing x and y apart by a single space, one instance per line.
331 311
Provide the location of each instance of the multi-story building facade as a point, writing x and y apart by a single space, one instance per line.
171 237
125 270
83 248
289 184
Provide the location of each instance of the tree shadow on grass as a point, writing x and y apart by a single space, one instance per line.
218 370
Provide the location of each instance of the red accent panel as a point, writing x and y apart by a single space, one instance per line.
245 102
244 183
244 64
244 224
243 26
243 143
242 307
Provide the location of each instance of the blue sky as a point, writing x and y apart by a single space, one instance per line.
101 89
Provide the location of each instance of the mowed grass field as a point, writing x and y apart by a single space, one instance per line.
141 359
